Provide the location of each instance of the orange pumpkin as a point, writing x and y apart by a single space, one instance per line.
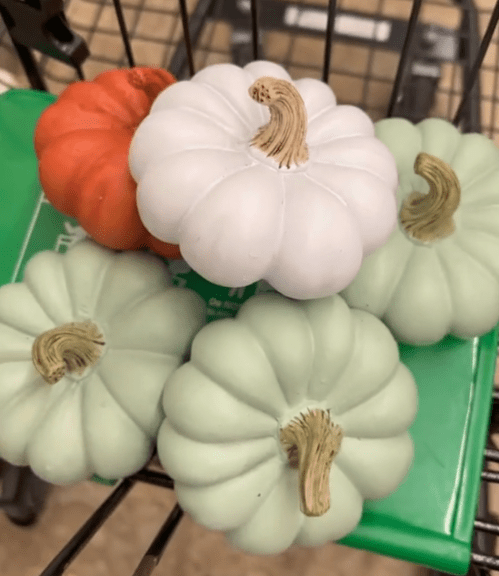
82 143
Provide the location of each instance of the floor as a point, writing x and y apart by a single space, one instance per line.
119 545
360 76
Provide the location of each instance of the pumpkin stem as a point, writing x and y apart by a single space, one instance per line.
150 80
428 217
312 441
70 347
283 138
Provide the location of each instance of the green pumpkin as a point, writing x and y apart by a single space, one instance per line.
438 273
285 419
87 341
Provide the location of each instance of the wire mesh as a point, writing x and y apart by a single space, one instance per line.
363 64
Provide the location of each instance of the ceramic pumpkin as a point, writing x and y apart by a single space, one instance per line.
82 142
438 273
87 341
259 177
285 419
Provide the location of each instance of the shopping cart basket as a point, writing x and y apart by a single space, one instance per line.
438 60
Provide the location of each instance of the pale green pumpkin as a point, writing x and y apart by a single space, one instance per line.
232 438
446 281
87 341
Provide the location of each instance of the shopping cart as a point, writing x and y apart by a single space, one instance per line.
440 59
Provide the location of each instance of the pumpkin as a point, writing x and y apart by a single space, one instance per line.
285 419
82 142
259 177
87 341
438 273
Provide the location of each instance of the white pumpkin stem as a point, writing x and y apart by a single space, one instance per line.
428 217
67 348
311 442
283 138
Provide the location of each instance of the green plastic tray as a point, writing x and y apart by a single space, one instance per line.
429 519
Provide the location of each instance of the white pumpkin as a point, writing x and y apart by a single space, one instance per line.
87 341
313 382
296 196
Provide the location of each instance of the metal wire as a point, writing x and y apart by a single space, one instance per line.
79 72
156 549
408 41
492 455
87 531
154 478
484 560
475 69
255 36
490 476
35 78
182 61
370 65
486 527
331 14
187 36
124 32
494 111
471 117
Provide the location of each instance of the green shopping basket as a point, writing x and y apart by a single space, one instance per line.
429 520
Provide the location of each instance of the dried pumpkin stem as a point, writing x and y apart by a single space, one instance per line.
67 348
428 217
283 138
149 80
311 442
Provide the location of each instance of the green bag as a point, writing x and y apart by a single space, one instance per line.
429 519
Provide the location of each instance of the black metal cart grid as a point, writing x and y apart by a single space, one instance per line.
433 63
362 68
